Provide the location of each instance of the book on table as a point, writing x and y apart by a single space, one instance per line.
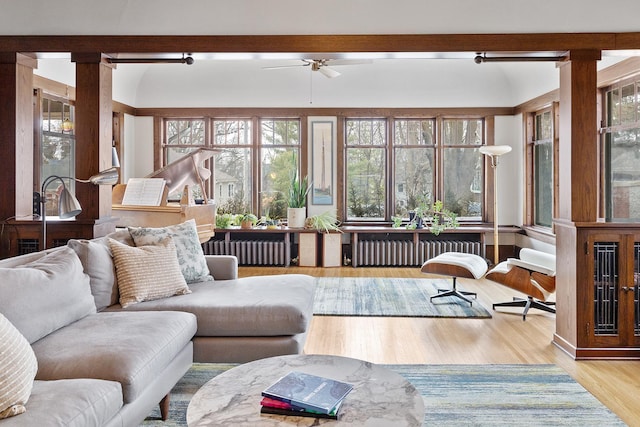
277 407
307 392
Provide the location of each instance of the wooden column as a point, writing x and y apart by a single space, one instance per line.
577 188
94 131
16 135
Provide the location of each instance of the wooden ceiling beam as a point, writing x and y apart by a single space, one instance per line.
322 43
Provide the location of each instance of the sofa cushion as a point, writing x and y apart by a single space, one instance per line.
147 272
130 348
18 369
70 403
250 306
185 236
44 295
95 256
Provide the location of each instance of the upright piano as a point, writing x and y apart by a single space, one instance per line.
186 171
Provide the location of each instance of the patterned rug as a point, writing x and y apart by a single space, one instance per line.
459 395
390 297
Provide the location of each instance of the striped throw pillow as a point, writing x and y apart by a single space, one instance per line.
18 369
147 273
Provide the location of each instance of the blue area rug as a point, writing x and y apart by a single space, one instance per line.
459 395
390 297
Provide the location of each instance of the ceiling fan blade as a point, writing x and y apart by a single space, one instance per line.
284 66
328 72
333 62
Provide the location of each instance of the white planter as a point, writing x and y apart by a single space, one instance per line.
296 217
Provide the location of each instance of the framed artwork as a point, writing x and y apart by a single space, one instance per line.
322 143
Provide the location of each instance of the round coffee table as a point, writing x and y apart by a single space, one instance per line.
380 397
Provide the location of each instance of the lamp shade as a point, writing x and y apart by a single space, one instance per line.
495 150
68 205
106 177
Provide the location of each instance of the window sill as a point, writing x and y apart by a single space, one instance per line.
542 234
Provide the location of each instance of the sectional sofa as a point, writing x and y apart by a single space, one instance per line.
106 355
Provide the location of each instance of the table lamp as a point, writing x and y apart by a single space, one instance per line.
68 205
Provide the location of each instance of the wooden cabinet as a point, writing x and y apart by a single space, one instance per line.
612 296
598 295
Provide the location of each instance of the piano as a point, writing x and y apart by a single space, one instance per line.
188 170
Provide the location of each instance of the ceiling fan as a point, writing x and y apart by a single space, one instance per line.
322 65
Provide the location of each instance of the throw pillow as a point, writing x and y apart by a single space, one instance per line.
190 255
42 296
97 262
19 367
147 272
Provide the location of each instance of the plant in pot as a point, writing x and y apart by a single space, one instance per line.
324 222
246 220
298 192
440 219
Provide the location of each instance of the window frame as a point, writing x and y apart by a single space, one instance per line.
530 167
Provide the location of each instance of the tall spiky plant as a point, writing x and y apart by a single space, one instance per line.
298 191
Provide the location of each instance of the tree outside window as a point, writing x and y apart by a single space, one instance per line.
365 161
462 167
621 147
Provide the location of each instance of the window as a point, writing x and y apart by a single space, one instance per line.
366 177
422 168
279 162
414 156
233 164
181 138
462 166
543 181
57 148
621 149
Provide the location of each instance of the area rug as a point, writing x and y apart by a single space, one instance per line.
459 395
389 297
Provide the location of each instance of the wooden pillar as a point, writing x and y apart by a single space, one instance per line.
94 131
16 135
577 187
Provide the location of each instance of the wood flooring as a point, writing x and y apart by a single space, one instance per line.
503 339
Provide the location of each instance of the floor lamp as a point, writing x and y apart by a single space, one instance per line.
493 152
68 205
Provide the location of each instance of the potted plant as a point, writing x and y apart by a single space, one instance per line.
298 192
246 220
324 222
435 216
224 220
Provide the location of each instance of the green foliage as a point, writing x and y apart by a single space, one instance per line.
436 215
324 222
298 191
246 217
224 220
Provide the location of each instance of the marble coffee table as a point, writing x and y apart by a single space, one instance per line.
380 397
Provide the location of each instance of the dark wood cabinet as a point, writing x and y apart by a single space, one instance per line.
598 313
613 306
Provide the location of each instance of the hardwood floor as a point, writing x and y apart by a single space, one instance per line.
503 339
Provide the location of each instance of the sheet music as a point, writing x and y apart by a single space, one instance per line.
143 192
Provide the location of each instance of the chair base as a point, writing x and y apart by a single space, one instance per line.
528 303
455 292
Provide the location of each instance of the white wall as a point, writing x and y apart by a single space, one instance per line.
141 148
508 131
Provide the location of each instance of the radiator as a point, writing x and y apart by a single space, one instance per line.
407 253
249 252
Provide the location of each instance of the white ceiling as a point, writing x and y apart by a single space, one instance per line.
392 80
133 17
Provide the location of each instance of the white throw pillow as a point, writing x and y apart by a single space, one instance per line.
18 367
147 272
189 250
